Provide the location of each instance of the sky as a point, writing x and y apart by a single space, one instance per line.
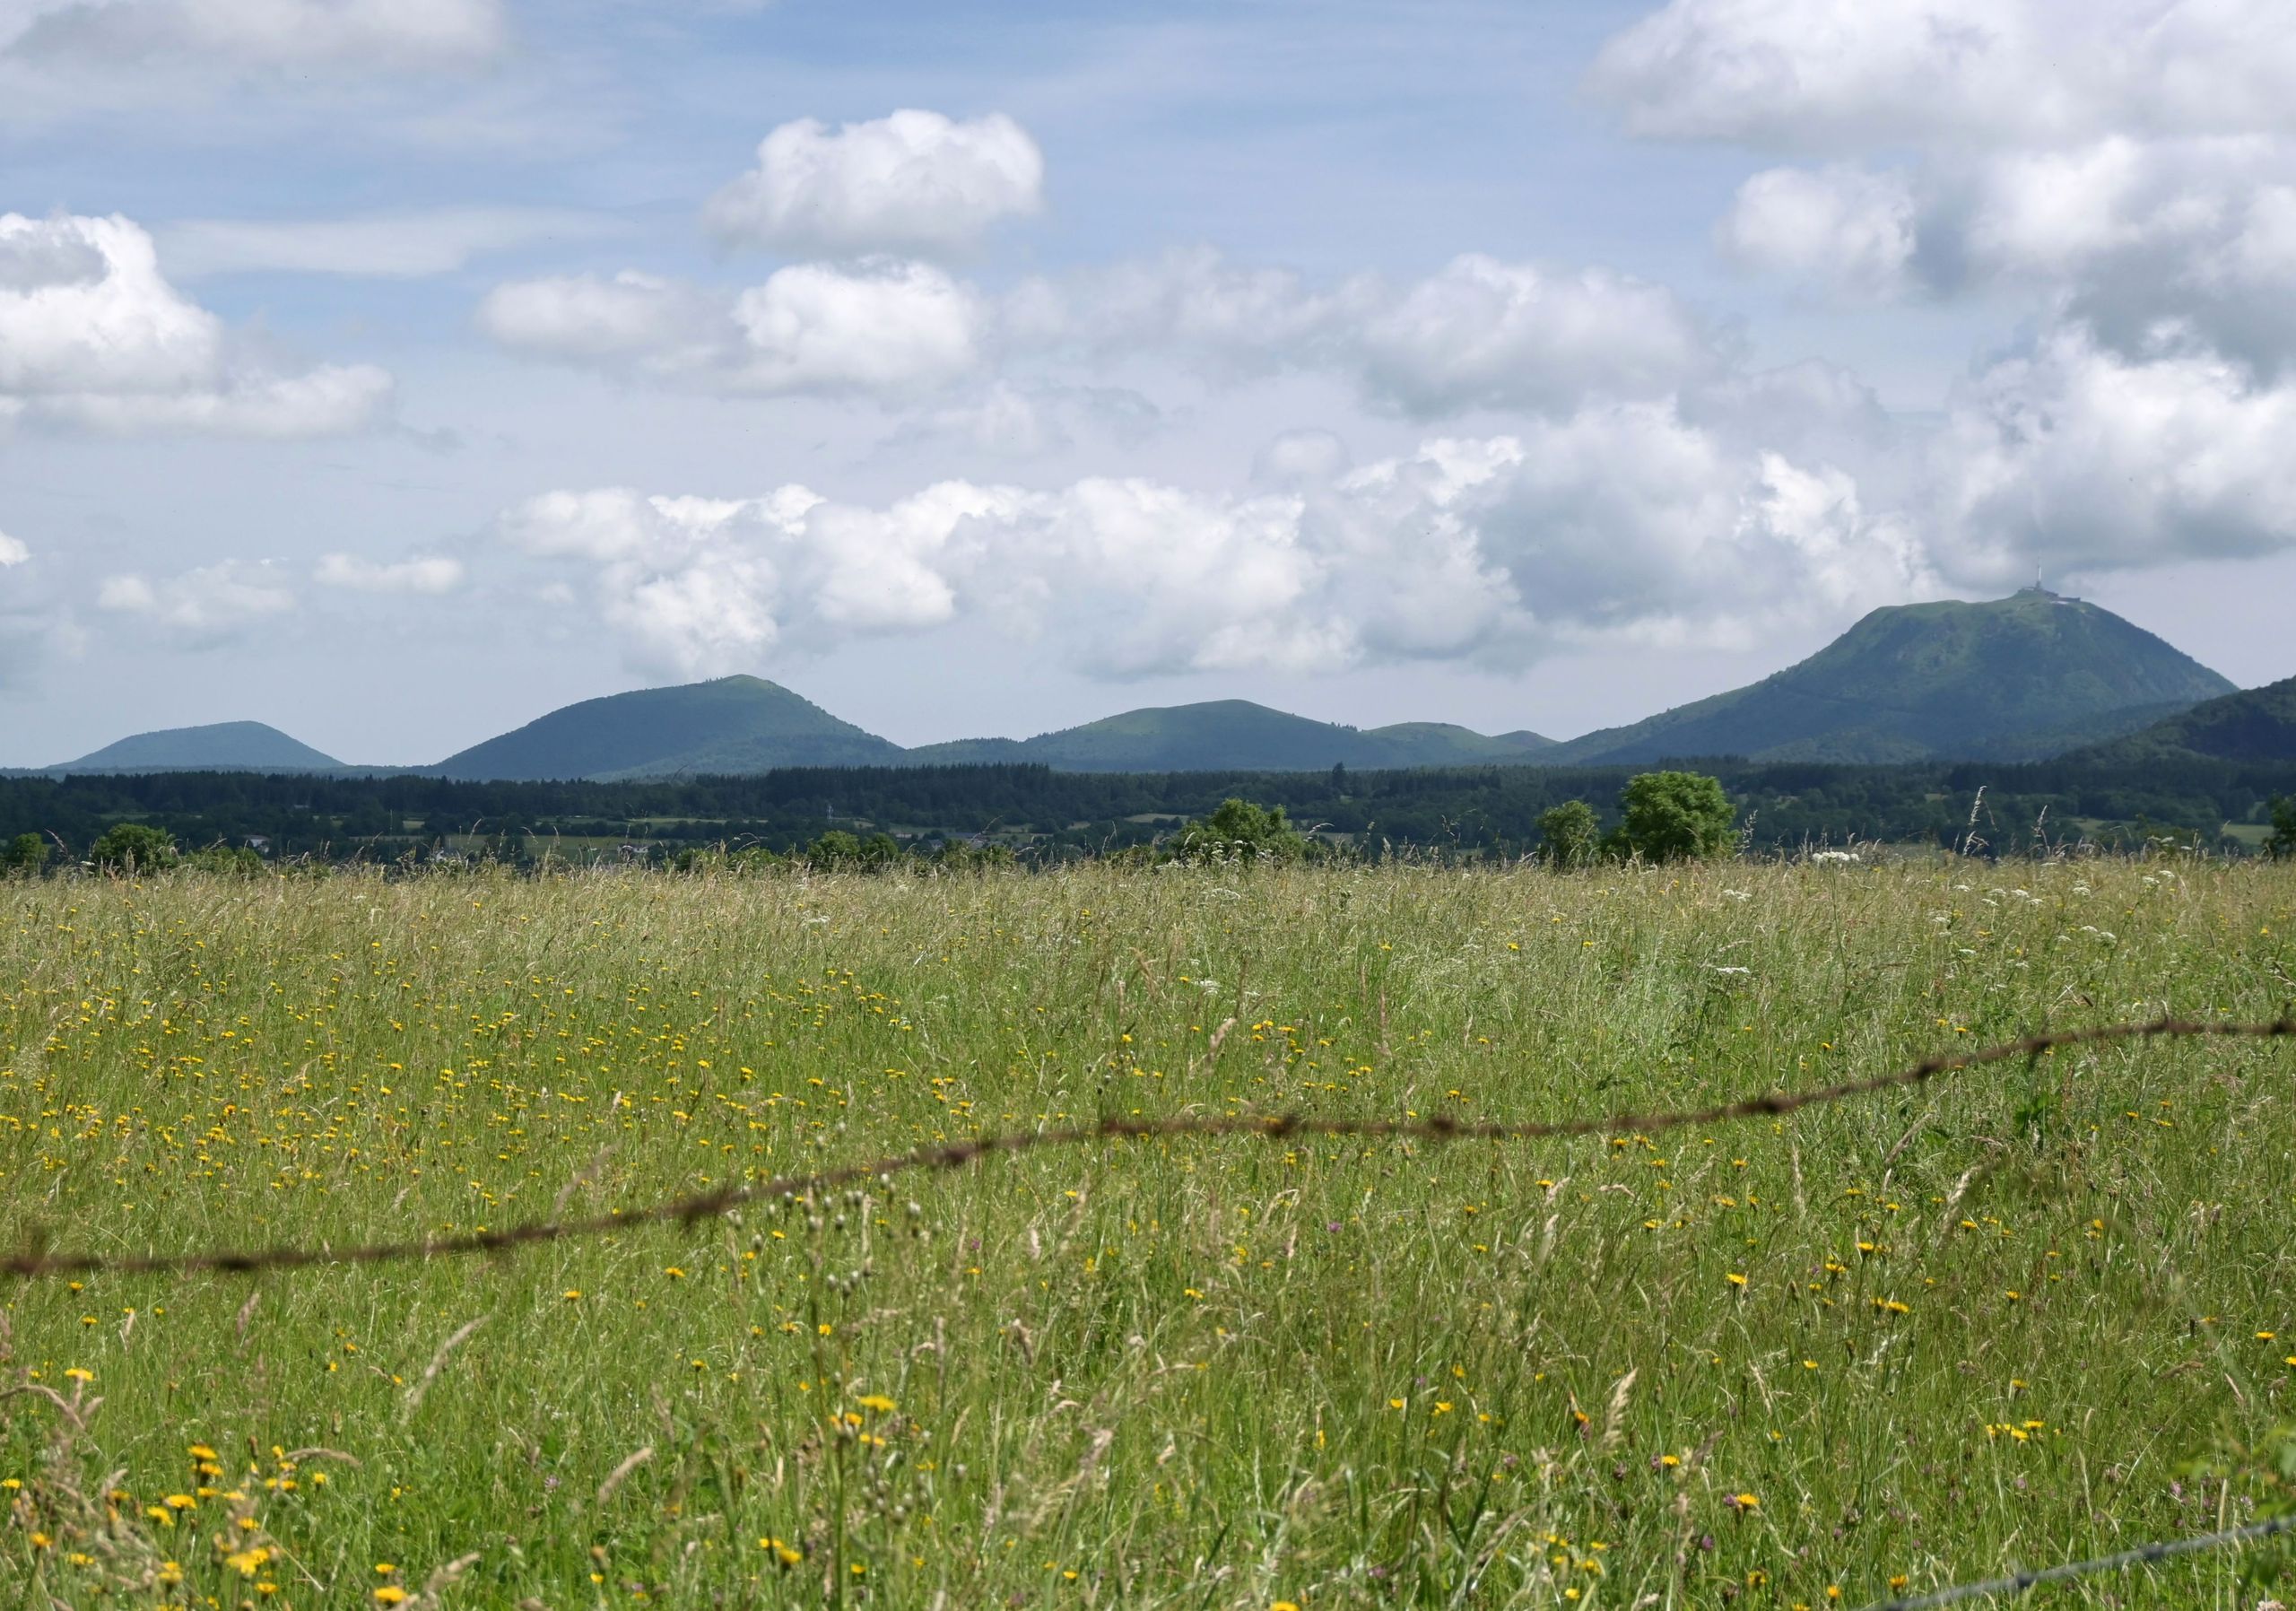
396 370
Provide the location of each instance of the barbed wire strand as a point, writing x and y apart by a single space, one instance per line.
956 1155
2142 1555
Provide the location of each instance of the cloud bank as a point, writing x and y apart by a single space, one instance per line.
1624 518
1478 333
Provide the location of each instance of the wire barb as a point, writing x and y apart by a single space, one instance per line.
691 1210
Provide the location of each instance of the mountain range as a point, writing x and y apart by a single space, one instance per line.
743 723
2021 678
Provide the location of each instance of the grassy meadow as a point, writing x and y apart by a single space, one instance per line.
2007 1318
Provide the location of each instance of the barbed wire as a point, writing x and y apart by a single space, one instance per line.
2018 1583
691 1210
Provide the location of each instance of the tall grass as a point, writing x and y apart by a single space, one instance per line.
1925 1336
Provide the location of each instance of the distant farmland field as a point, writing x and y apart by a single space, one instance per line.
2027 1313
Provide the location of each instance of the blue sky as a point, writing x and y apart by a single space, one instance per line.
396 371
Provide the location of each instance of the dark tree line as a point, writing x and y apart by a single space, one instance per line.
1492 810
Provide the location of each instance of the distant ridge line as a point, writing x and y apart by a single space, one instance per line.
2023 678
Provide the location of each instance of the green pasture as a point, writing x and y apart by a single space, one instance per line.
2033 1312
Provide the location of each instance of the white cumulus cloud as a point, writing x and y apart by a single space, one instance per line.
1627 518
914 182
882 328
92 335
2127 169
204 608
1483 332
1477 333
430 574
2130 165
888 327
83 308
2078 456
1826 75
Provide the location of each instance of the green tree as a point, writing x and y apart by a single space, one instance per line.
2281 845
834 849
1673 816
25 853
1569 835
235 861
1241 831
135 847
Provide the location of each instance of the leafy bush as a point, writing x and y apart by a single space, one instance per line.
135 848
1240 831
